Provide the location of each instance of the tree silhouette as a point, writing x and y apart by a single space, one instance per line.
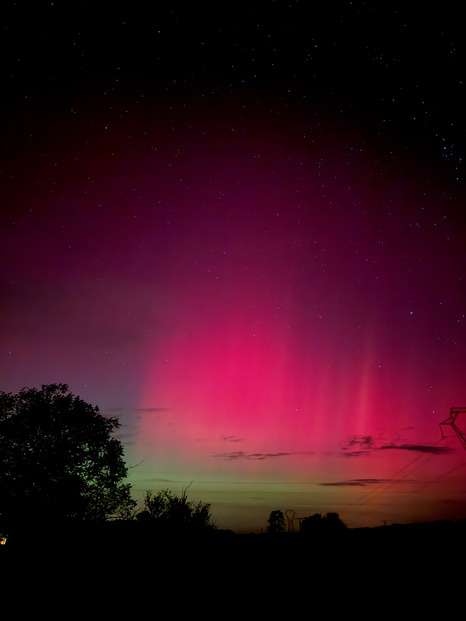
58 459
333 521
311 524
173 512
276 522
317 523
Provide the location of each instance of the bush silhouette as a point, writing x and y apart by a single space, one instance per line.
176 513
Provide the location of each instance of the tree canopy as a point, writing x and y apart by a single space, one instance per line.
276 522
318 523
58 458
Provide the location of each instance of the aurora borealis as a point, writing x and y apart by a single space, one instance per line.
233 232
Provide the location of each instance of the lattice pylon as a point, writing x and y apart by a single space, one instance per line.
290 514
451 421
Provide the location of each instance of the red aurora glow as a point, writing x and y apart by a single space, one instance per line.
299 313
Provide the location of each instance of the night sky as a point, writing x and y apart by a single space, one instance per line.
241 230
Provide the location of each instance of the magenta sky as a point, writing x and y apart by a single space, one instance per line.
268 293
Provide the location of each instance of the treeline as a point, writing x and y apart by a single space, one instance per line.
312 524
63 478
62 471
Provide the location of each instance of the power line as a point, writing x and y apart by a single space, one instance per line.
394 480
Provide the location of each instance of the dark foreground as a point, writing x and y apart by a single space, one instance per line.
409 567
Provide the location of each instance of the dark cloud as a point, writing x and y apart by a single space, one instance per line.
420 448
232 438
343 484
362 445
353 453
360 482
232 455
364 442
357 445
